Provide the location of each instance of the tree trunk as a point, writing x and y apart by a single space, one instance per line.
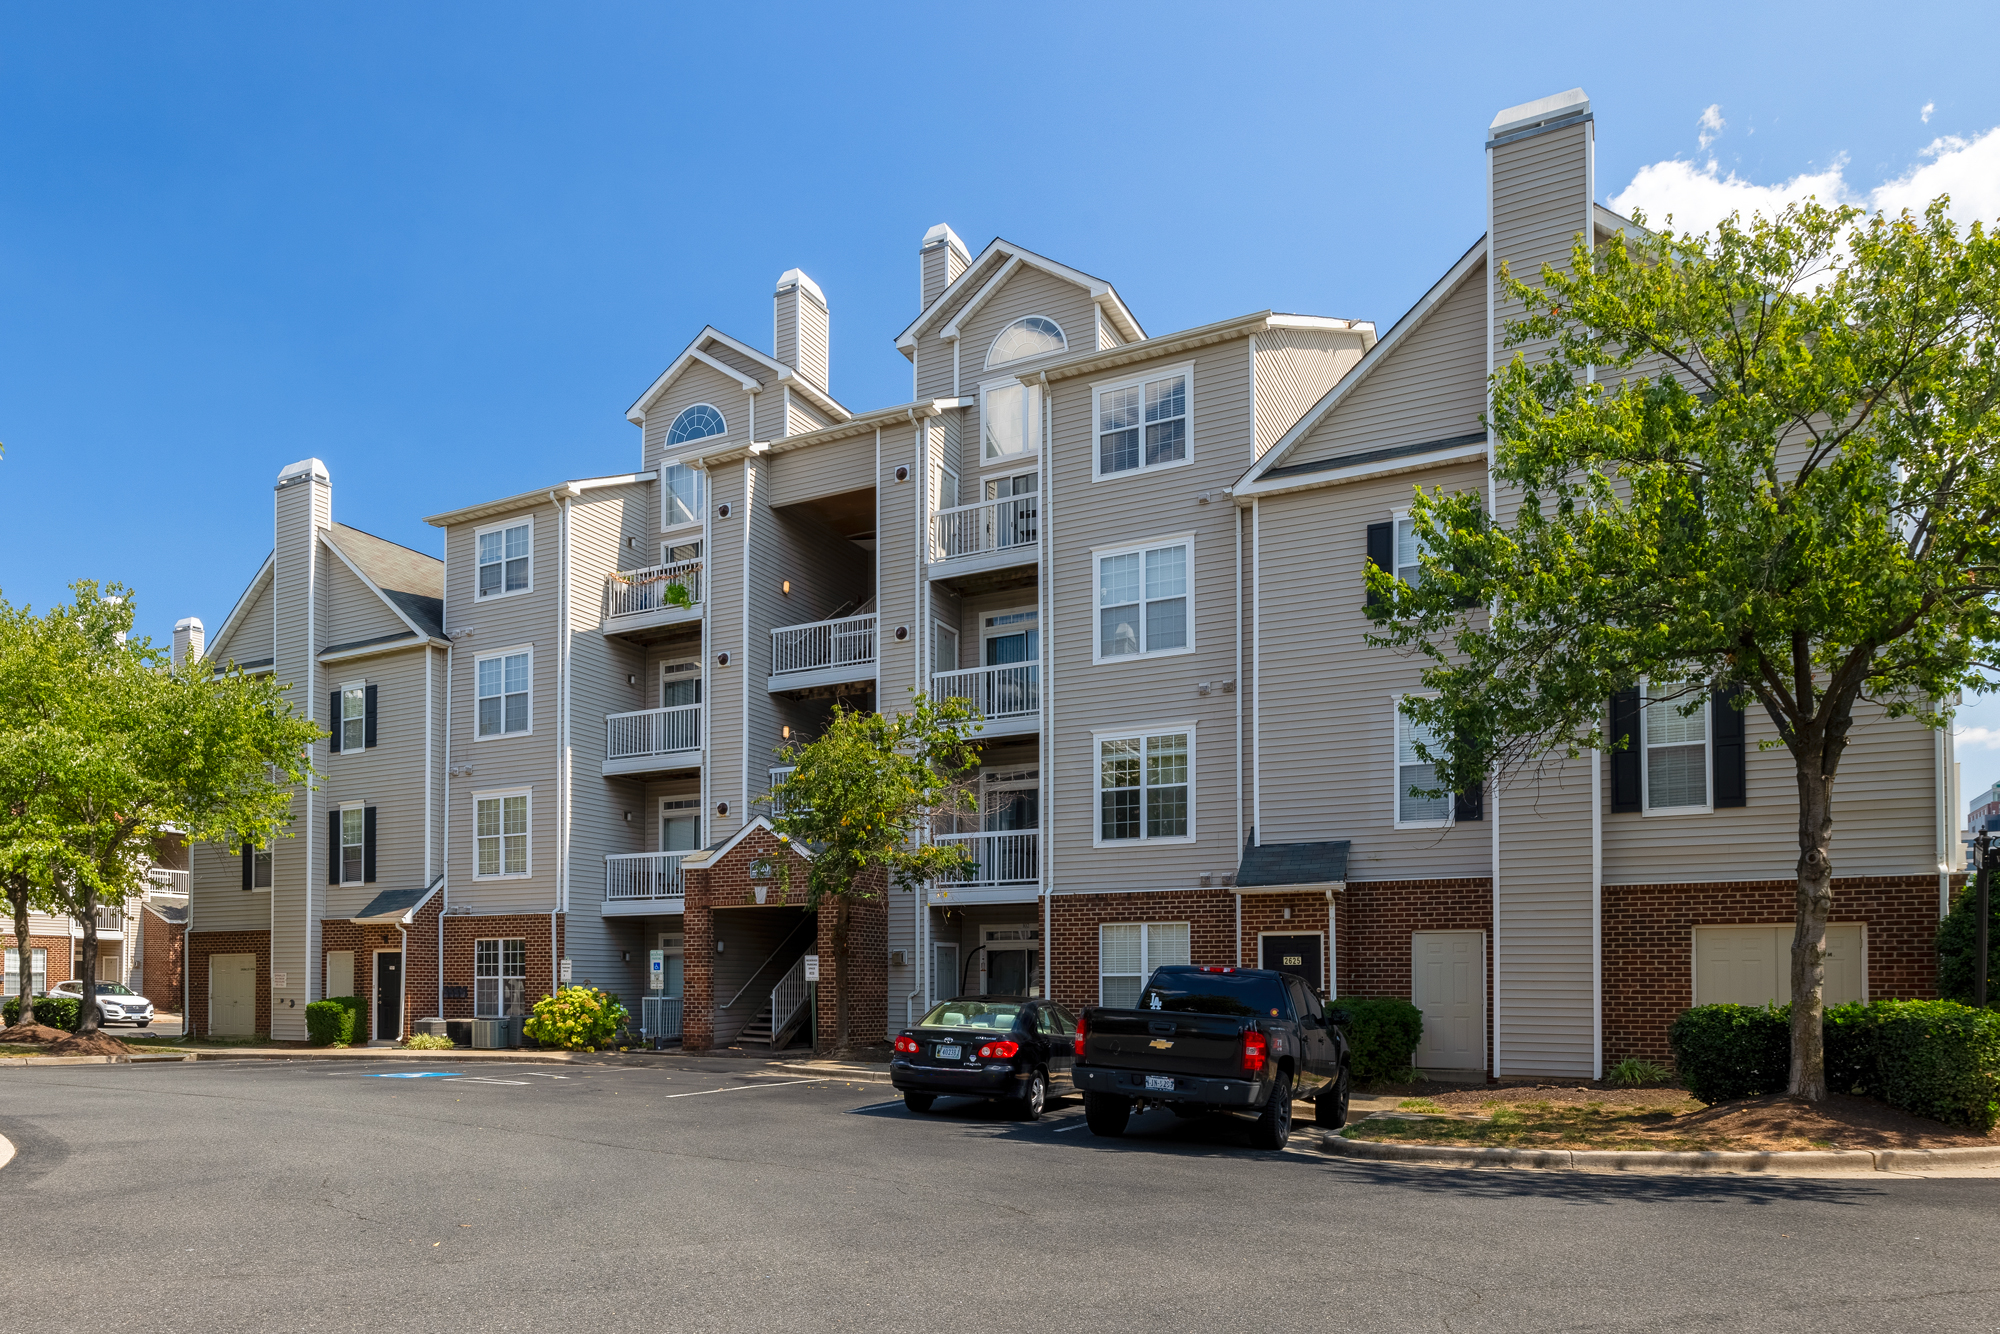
87 1013
843 922
17 897
1814 906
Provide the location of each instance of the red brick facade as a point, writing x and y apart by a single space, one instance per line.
418 943
1649 945
162 954
201 944
1074 919
61 957
461 931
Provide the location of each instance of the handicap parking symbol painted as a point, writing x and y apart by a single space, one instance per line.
415 1074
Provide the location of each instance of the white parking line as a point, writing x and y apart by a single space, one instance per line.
485 1079
1074 1125
738 1088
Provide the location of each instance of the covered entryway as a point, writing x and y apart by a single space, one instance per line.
388 995
1448 983
232 995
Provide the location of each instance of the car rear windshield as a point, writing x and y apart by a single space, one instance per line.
973 1014
1238 994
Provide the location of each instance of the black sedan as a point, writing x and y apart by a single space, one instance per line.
1007 1048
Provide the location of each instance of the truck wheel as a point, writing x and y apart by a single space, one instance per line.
1107 1113
1274 1127
1028 1107
1331 1109
919 1102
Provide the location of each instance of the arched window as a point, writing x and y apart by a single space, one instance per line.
1034 336
695 423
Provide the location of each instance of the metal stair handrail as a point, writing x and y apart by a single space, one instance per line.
759 972
787 999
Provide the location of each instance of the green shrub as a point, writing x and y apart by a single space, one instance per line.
1634 1071
1939 1059
1957 947
63 1012
1849 1040
428 1042
579 1018
1726 1052
1382 1035
334 1021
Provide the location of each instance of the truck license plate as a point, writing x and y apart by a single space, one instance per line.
944 1053
1164 1083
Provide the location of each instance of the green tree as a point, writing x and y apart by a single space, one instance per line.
118 748
25 688
860 798
1958 947
1761 462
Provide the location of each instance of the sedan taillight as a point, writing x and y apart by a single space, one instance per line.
1079 1035
1255 1048
999 1050
904 1042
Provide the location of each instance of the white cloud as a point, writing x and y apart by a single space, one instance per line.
1967 170
1926 112
1712 124
1976 738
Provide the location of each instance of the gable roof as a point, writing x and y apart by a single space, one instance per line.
409 581
715 852
258 582
1271 866
781 374
398 906
993 266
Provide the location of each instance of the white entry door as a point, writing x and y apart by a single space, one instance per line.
1448 983
232 995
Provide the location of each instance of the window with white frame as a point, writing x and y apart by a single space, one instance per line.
944 647
1127 954
1142 601
499 978
675 553
1034 336
353 844
260 868
505 680
501 820
680 496
354 718
1414 772
1010 415
696 423
1144 786
1409 551
1675 746
1142 424
38 965
505 559
944 485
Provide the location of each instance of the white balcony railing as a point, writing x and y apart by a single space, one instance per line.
847 642
171 882
632 592
642 875
777 787
990 525
998 692
1007 857
652 732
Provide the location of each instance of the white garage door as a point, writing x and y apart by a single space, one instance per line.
232 995
1448 983
1752 965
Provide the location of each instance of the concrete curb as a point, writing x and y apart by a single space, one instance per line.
857 1074
1813 1162
306 1053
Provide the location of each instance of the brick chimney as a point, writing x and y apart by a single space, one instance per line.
941 258
800 326
187 640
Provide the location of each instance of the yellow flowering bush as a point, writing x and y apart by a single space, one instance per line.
577 1018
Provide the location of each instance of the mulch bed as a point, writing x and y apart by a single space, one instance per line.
55 1042
33 1033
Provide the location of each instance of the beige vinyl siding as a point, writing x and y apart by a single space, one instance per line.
723 594
815 347
704 384
1431 385
804 416
1107 337
897 565
1029 291
388 776
354 612
251 639
1149 694
1327 746
522 760
833 468
735 360
218 898
934 354
1295 368
300 614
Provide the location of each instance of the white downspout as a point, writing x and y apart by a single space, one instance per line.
1045 620
444 824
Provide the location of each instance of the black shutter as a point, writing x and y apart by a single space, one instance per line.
1625 794
1381 551
333 847
249 866
368 841
1732 786
333 712
368 727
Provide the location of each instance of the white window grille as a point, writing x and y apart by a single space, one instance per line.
504 682
1127 954
1144 787
505 564
502 834
499 978
1142 601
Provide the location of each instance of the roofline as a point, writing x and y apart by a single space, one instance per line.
1248 483
1327 886
539 496
407 915
398 644
242 602
705 857
1382 463
860 424
1101 291
782 374
326 536
1239 326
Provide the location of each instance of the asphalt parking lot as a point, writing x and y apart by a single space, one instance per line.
711 1195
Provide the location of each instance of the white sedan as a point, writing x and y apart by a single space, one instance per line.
118 1002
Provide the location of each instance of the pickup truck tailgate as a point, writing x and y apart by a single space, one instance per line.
1187 1044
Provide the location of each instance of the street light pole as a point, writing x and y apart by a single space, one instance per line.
1983 851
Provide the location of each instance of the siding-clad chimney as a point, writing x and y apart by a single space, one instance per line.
800 326
303 506
941 258
187 639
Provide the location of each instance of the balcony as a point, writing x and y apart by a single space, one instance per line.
652 740
638 884
823 653
1010 696
989 535
636 600
167 883
1006 867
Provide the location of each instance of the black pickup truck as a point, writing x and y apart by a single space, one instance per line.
1245 1040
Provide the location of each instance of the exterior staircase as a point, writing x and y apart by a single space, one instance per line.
784 1014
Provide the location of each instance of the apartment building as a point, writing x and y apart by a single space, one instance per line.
1141 556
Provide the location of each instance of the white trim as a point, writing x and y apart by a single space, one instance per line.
1031 442
507 652
1396 721
991 365
341 851
1098 555
502 526
1321 936
1707 753
326 536
1256 674
951 331
781 373
495 794
1146 952
1102 293
749 384
257 581
1098 388
1142 732
341 722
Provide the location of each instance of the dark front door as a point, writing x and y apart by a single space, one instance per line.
1297 955
388 996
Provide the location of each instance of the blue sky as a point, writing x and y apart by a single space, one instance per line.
442 247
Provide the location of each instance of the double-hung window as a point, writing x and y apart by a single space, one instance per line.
38 964
1144 787
680 496
1415 774
260 868
502 833
1675 746
1127 954
354 718
1409 551
353 844
499 978
1142 601
504 559
1142 424
504 682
